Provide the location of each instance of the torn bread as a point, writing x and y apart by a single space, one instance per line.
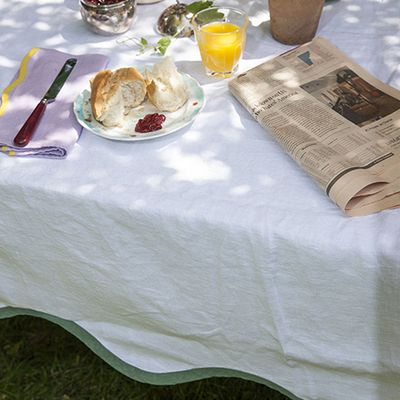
166 88
116 93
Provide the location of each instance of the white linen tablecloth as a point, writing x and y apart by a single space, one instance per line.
209 247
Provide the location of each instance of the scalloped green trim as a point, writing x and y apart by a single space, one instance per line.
168 378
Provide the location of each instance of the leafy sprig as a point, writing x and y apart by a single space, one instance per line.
159 48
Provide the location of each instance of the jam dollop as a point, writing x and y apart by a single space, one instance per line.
150 123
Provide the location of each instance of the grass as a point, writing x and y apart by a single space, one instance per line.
41 361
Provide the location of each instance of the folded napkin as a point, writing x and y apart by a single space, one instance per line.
58 129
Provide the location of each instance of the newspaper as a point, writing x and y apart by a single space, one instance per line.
335 119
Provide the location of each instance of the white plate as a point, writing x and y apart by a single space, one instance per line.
174 120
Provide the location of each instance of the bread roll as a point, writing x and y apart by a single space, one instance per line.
165 86
114 94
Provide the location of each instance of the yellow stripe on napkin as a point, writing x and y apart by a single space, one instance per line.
19 80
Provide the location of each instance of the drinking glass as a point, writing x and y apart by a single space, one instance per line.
108 18
221 37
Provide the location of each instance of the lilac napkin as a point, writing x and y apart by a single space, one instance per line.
58 129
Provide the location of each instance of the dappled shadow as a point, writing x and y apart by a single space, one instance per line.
60 26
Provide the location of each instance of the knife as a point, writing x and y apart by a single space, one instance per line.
28 129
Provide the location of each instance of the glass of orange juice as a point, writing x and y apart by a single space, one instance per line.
221 37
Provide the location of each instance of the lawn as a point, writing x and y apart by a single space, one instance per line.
41 361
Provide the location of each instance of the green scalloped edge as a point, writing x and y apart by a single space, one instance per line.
168 378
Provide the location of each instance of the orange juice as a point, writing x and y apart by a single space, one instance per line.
220 45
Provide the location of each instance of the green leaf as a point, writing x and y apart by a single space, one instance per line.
197 6
162 45
165 41
162 50
210 16
143 41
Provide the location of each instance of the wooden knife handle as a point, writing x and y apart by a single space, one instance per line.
28 129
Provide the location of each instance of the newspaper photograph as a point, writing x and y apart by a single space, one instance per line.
351 96
337 121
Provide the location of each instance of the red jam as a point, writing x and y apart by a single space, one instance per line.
150 123
103 2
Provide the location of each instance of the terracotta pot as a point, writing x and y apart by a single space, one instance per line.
294 21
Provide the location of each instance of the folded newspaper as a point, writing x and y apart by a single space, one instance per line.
335 119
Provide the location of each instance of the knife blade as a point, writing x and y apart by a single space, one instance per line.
27 130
